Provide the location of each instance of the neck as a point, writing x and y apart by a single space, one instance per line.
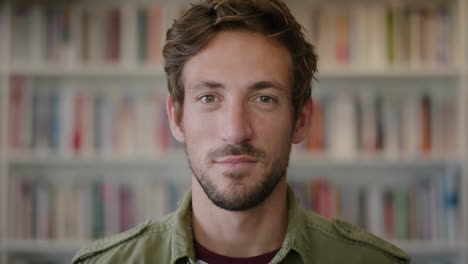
240 234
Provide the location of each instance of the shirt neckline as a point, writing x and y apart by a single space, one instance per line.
202 253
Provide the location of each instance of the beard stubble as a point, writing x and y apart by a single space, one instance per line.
241 197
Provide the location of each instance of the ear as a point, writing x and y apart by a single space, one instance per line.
177 128
303 122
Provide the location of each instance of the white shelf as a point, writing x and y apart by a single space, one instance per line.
174 165
89 71
367 170
117 70
401 73
170 158
363 161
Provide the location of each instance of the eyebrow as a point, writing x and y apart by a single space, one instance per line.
267 84
255 86
207 84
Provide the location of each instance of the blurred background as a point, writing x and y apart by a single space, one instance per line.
86 152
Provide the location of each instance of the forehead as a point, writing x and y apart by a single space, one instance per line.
239 58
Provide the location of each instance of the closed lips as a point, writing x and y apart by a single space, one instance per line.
236 160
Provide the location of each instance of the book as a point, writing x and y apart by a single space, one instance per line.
51 117
154 34
376 210
129 36
21 35
82 206
383 36
400 196
142 34
316 139
113 31
377 37
424 208
342 117
17 97
363 36
391 126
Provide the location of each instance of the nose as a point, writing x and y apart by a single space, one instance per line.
237 123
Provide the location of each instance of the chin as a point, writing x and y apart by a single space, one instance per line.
239 195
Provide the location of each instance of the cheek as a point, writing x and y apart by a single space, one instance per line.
274 133
198 130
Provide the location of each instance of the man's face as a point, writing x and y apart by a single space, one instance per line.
237 121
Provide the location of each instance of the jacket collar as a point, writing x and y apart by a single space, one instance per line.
182 233
296 239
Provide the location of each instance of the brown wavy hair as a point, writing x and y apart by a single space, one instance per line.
271 18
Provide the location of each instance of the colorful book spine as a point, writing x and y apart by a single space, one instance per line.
361 36
16 112
86 37
70 35
384 124
154 34
113 33
425 209
378 36
48 117
53 208
142 34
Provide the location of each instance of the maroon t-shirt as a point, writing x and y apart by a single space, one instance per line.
206 256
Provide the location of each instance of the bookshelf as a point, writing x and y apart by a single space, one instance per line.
73 60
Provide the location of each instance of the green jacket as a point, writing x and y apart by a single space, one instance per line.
309 239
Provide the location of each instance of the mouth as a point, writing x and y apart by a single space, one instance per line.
236 161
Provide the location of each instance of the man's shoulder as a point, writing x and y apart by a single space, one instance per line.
122 245
348 238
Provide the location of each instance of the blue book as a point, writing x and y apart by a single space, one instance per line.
450 202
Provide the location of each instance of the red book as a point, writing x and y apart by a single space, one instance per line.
426 124
86 38
113 45
342 53
322 199
126 213
78 114
16 99
389 215
154 36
